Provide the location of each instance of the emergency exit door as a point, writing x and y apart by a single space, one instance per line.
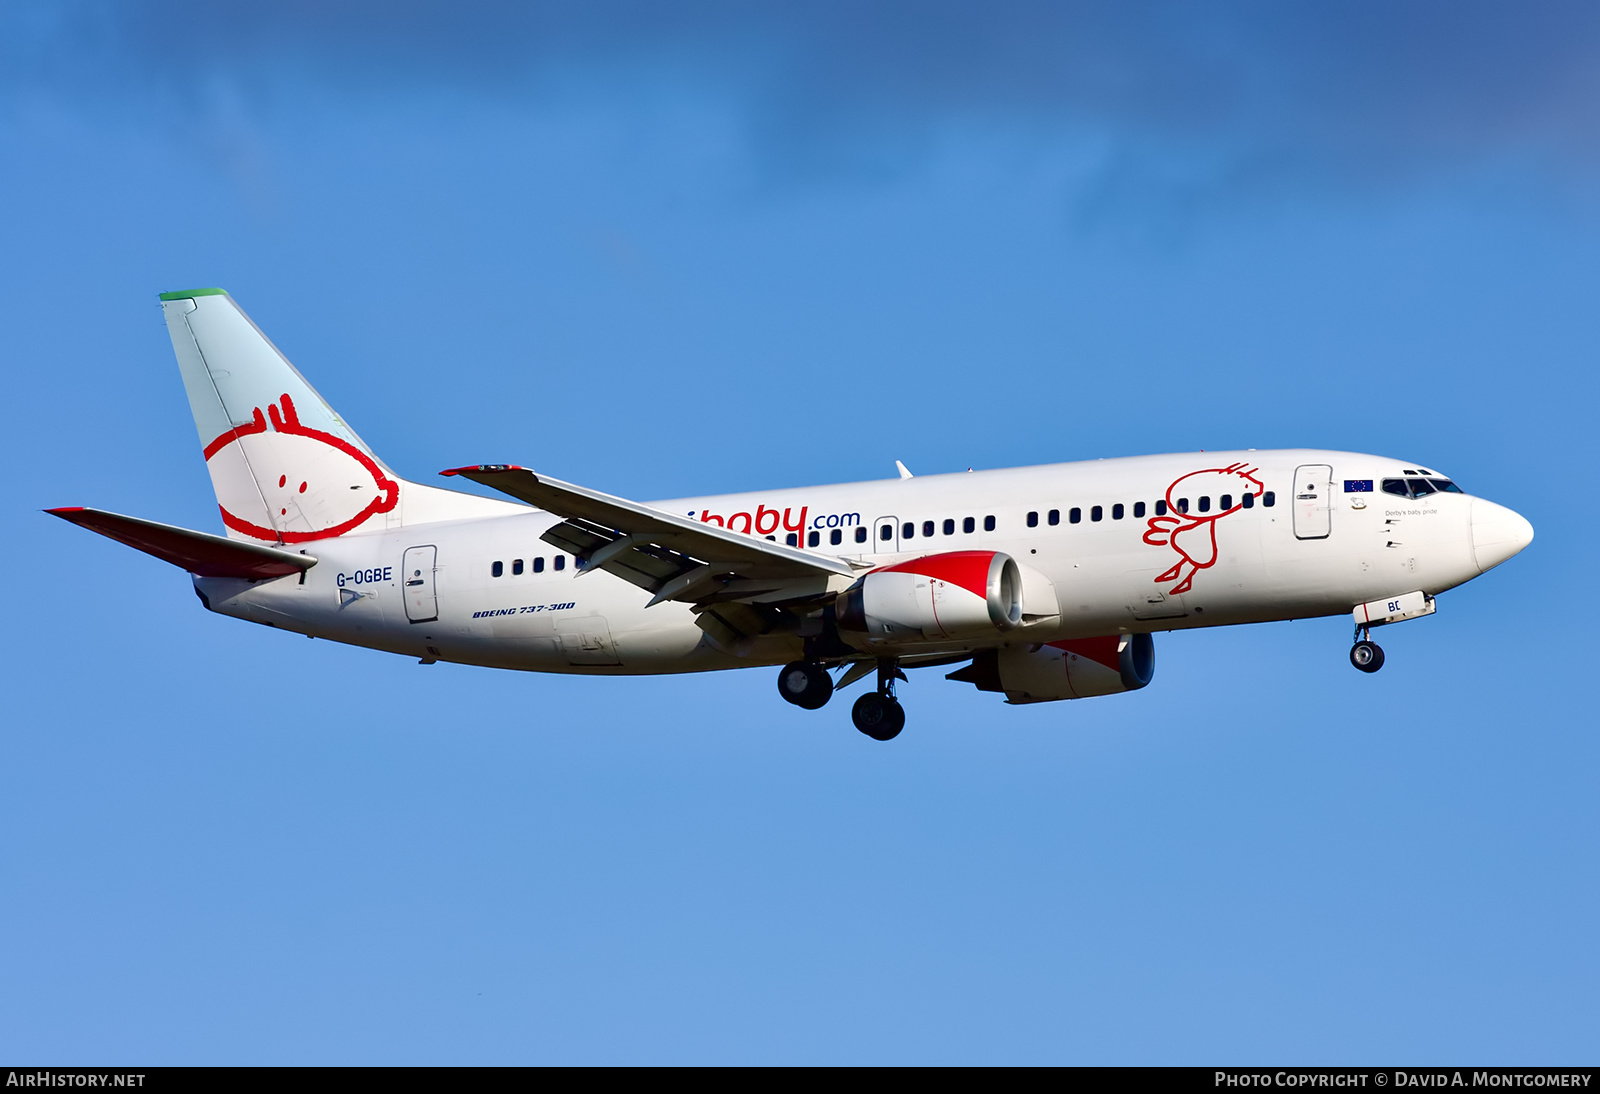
417 566
1313 501
885 535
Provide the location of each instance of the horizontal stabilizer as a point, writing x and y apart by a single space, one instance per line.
198 552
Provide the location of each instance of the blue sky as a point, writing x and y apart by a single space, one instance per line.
663 251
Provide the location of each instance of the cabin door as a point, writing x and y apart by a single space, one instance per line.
1313 501
416 569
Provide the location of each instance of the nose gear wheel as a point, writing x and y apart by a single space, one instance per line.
1367 656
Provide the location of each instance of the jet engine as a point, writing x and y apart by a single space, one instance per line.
1072 669
957 594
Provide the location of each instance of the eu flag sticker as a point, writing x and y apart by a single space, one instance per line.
1358 486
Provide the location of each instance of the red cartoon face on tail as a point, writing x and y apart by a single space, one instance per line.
292 483
1193 535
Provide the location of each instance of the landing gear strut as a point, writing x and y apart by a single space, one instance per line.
879 714
805 684
1366 654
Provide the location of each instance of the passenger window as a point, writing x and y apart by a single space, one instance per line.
1248 501
1116 511
538 565
1033 519
907 531
836 537
1183 505
1205 503
1268 499
1397 487
792 540
886 533
968 525
1161 508
988 524
949 527
814 539
927 528
772 539
1075 516
1138 508
1227 502
861 533
497 569
516 567
1055 517
561 562
1096 513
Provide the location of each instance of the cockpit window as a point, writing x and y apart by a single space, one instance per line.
1420 488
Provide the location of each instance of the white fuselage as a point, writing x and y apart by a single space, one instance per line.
500 599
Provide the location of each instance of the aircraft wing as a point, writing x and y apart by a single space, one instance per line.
198 552
670 556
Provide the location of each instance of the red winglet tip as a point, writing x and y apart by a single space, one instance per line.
65 509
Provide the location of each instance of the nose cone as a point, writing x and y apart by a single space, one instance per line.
1497 533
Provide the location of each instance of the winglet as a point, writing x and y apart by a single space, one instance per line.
905 472
190 294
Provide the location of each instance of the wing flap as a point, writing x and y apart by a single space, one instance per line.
198 552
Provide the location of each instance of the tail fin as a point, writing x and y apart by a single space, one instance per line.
306 475
285 467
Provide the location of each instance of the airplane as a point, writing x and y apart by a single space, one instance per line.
1037 583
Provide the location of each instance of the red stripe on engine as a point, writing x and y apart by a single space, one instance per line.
968 569
1101 650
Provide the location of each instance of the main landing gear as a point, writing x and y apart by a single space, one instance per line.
880 717
878 713
1366 654
805 684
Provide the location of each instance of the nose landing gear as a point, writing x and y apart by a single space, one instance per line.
879 714
1366 654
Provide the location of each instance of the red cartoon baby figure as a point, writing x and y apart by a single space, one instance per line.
291 483
1208 496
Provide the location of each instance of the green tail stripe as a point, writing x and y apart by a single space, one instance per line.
189 294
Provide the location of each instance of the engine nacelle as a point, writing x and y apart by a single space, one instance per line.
958 594
1072 669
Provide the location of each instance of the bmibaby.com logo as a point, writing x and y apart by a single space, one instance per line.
767 522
